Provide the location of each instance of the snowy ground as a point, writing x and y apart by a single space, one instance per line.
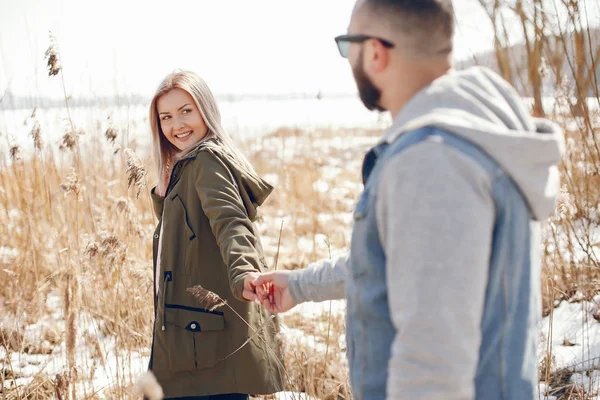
99 372
98 367
575 345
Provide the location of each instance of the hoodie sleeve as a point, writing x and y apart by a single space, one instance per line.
435 214
222 204
320 281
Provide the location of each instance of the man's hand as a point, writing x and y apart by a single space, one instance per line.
272 290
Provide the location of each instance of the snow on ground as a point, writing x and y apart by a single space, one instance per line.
312 311
575 335
575 342
572 336
308 310
8 254
99 372
575 345
96 371
293 396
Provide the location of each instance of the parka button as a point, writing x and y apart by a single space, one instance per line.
156 236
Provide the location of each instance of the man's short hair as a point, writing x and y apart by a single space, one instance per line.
427 25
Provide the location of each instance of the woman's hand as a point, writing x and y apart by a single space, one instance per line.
249 292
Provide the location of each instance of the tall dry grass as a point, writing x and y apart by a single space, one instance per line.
76 256
76 234
560 56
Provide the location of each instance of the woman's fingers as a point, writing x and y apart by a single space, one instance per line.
249 295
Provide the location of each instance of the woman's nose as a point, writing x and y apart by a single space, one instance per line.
178 123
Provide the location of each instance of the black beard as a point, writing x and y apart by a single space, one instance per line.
369 94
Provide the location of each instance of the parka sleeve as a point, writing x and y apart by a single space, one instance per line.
223 206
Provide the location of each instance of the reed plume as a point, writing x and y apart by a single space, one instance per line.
136 173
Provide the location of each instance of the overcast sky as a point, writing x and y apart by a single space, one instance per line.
238 46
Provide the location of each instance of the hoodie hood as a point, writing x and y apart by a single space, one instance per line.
253 189
480 106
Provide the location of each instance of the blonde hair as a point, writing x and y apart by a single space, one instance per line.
165 153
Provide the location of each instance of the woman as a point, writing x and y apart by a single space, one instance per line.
206 201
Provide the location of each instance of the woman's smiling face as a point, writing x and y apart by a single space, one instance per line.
180 120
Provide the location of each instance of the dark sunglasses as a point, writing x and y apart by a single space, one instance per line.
343 42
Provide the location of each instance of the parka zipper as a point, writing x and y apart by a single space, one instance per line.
168 274
176 166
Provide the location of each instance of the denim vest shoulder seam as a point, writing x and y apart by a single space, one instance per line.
494 171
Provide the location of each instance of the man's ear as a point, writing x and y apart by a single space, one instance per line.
376 56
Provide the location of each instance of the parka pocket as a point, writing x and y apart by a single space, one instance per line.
186 223
191 339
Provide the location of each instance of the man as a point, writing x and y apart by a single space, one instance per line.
442 280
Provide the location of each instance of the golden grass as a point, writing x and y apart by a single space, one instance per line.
76 254
77 250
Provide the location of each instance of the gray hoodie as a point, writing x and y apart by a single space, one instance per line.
480 106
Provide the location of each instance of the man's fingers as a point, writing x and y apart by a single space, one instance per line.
270 307
261 291
263 278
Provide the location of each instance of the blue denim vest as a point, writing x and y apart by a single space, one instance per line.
507 366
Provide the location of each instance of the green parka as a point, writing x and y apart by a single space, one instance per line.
209 239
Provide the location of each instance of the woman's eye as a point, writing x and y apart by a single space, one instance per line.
186 111
166 117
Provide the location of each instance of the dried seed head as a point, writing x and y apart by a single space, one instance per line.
207 299
91 249
109 247
15 151
51 55
36 134
123 205
70 139
566 206
136 173
111 134
72 184
148 386
110 244
113 251
141 272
